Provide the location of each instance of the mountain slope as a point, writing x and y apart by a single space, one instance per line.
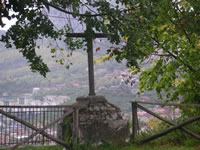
17 79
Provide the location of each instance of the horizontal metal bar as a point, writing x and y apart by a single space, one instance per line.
43 106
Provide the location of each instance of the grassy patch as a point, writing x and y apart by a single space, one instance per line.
111 147
157 148
146 147
38 148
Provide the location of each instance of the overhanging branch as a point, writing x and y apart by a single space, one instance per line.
174 56
72 13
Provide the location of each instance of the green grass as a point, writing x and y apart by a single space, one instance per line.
147 147
110 147
157 148
38 148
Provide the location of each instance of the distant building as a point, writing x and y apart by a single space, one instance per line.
1 101
36 102
5 94
55 100
76 85
50 100
7 102
25 100
21 101
36 90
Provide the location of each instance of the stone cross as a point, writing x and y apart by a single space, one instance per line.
90 55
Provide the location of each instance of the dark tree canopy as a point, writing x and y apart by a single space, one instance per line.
33 22
165 32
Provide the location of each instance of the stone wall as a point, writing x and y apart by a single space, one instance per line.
101 121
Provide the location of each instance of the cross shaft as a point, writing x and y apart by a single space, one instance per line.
90 56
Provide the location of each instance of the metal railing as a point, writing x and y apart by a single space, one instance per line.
13 132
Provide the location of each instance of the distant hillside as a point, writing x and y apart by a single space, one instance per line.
17 79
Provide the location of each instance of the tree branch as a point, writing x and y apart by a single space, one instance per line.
174 56
71 13
162 55
190 67
182 27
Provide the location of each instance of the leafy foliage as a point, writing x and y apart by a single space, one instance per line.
164 31
175 49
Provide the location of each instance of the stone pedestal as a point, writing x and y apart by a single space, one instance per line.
101 121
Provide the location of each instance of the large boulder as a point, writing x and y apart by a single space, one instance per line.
101 121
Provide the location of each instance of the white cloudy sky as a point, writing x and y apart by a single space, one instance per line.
8 23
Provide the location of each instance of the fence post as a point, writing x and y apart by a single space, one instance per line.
75 134
43 139
134 121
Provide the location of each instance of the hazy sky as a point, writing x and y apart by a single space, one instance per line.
8 23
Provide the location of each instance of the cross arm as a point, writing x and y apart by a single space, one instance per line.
83 35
